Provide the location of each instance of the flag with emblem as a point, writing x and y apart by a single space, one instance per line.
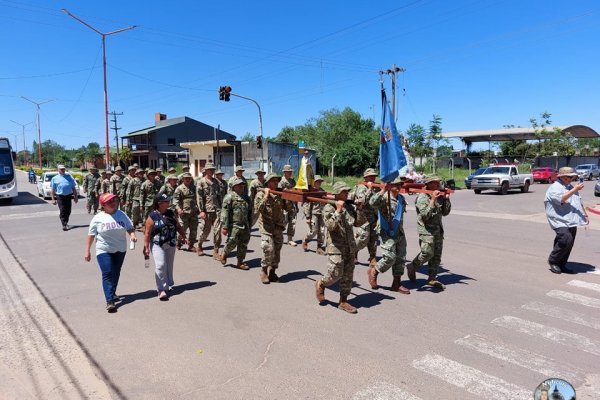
391 154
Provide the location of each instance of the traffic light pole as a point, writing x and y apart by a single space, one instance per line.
260 128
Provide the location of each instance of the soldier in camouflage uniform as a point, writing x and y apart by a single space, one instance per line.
160 178
89 187
115 182
287 182
147 193
169 189
271 222
391 232
255 186
186 170
134 196
125 203
313 212
339 220
366 234
430 210
98 185
239 173
105 184
235 217
222 183
186 205
209 203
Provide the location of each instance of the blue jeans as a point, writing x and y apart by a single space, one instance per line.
110 266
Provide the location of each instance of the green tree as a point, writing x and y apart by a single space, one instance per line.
552 140
418 143
93 154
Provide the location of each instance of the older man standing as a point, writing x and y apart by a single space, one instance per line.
64 189
565 212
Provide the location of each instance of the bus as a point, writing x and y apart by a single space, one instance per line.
8 178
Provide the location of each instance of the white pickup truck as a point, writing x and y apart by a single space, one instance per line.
501 178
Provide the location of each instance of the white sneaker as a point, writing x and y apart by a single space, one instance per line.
292 243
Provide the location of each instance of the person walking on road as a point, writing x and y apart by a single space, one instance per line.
63 191
431 207
366 234
186 206
288 183
565 212
160 237
110 228
236 216
313 212
89 188
209 205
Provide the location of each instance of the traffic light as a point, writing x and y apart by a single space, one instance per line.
259 142
227 91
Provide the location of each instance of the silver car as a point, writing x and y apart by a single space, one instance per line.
588 171
43 184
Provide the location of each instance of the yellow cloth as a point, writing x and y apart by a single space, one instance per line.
306 176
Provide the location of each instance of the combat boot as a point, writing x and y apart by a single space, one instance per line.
373 262
242 265
397 286
345 306
264 278
411 271
320 291
320 251
272 275
433 282
372 275
222 258
291 242
199 250
304 245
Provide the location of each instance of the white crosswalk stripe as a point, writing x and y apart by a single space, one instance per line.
586 285
549 333
563 313
383 391
523 358
595 271
575 298
470 379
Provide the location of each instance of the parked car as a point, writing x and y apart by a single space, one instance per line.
597 188
501 178
588 171
43 184
469 178
544 175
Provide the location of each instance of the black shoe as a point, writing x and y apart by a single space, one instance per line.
65 227
567 270
555 268
110 307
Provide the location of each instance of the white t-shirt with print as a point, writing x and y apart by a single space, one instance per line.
110 231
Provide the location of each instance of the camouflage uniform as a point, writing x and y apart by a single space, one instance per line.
89 187
160 180
125 204
255 186
290 216
209 202
187 209
147 193
115 185
105 184
224 187
232 179
366 234
313 212
169 190
235 216
134 195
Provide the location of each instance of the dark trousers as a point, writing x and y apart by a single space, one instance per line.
563 243
64 205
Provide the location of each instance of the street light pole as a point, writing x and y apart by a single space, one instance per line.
39 128
23 131
260 128
104 35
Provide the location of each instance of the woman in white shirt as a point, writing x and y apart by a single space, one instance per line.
110 228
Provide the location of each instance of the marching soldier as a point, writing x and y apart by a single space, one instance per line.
125 203
313 213
366 234
256 184
339 219
160 178
239 173
222 183
105 185
430 210
186 170
391 232
236 215
115 181
147 193
98 185
134 197
271 223
169 189
209 203
89 187
187 209
287 182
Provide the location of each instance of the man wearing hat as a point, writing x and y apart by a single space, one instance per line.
168 189
105 185
186 204
147 193
98 186
134 197
239 173
391 232
431 207
339 220
172 171
256 184
366 234
236 216
565 212
63 190
115 182
222 183
125 203
286 183
271 223
185 169
89 188
313 212
209 204
159 181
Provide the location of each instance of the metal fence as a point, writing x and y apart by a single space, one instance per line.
473 163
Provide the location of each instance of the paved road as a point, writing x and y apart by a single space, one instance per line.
504 324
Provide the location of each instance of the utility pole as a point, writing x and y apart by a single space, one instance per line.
38 125
392 72
23 131
116 129
104 35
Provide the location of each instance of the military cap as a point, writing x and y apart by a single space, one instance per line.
150 171
369 172
209 165
260 171
186 175
287 168
109 172
219 172
136 165
130 168
119 168
237 181
433 178
103 172
400 179
339 187
318 178
147 169
92 168
172 170
239 168
272 176
139 171
185 167
172 177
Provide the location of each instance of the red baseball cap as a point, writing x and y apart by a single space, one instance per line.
106 197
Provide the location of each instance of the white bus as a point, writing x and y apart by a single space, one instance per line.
8 178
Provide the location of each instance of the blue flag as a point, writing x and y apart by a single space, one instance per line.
391 155
392 228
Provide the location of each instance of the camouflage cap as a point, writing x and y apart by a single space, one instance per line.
433 178
318 178
172 177
130 168
103 172
237 181
287 168
108 172
151 171
185 167
260 171
219 172
339 187
239 168
119 168
186 175
135 165
272 176
139 171
172 170
209 166
400 179
369 172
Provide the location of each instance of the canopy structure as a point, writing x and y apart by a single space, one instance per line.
498 135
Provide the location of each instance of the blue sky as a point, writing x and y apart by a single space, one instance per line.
477 64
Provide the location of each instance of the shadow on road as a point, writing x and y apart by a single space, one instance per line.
444 276
26 198
150 294
71 227
295 276
369 299
581 268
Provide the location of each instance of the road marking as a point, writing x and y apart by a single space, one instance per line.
575 298
595 271
552 334
470 379
586 285
39 214
383 391
523 358
563 313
